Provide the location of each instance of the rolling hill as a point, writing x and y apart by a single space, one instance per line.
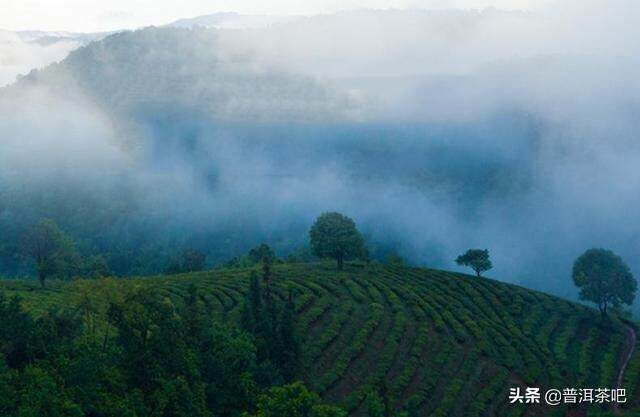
444 343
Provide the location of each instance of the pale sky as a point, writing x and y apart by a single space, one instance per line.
101 15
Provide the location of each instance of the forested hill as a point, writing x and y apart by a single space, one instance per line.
189 75
154 139
429 342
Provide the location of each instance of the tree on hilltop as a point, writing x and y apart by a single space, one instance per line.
604 278
335 236
476 259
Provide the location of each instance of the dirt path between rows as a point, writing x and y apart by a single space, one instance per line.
631 343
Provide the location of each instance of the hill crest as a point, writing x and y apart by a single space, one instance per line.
447 343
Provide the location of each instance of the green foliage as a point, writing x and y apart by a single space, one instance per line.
164 359
375 405
96 267
41 396
358 343
293 400
273 328
632 378
394 259
262 252
302 255
604 278
476 259
16 329
289 356
252 309
52 251
259 255
169 353
190 260
335 236
423 342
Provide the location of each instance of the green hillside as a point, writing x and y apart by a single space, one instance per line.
446 344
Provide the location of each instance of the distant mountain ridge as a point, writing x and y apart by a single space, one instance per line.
163 71
232 20
23 51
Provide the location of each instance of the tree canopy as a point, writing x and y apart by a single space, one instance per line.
604 279
190 260
51 250
262 252
294 400
335 236
476 259
118 351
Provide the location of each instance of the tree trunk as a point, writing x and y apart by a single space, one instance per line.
478 274
106 337
41 278
602 307
340 262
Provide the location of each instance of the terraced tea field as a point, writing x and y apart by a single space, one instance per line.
445 343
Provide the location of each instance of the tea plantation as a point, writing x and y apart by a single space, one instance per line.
442 343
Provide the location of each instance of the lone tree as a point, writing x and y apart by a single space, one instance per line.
334 235
52 251
604 279
476 259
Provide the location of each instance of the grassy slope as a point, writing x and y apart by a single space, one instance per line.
453 344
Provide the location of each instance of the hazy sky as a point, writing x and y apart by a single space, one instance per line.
98 15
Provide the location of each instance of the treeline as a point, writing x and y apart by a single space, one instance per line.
52 253
602 276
